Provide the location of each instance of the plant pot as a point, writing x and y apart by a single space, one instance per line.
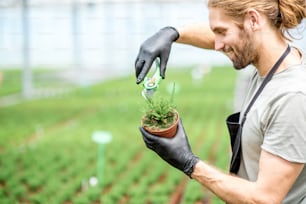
168 132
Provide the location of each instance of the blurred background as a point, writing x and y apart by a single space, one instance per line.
67 72
90 40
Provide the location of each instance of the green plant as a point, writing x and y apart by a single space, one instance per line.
160 112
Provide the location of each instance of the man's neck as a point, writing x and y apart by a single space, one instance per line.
269 53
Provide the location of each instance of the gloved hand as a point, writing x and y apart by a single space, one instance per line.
176 151
158 45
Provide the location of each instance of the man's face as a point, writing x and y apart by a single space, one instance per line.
233 40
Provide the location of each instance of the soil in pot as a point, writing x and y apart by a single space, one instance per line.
168 130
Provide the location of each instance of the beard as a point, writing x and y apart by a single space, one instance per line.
244 53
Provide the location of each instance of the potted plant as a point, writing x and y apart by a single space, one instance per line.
160 116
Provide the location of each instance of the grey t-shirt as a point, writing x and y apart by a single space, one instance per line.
276 123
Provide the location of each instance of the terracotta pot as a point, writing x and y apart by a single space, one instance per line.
165 132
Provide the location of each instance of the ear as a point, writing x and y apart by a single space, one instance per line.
252 19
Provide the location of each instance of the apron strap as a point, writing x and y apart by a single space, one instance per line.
237 146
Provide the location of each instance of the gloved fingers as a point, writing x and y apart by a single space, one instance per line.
180 126
138 65
147 138
181 133
143 69
163 65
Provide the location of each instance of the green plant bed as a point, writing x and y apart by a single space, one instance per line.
11 82
49 140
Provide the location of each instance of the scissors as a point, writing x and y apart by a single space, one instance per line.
151 84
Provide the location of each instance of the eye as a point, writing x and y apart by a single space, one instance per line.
220 31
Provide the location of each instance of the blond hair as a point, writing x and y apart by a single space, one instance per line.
283 14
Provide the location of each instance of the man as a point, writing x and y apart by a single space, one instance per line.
273 140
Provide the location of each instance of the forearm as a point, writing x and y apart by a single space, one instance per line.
199 35
229 188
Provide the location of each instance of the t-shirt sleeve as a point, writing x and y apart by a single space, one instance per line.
285 134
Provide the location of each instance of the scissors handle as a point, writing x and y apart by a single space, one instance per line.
153 82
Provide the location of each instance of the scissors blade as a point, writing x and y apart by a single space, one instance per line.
148 93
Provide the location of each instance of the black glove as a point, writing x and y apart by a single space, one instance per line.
176 151
158 45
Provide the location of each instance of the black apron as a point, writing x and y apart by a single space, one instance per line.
235 126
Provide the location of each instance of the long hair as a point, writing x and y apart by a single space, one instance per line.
283 14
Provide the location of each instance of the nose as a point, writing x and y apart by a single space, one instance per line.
219 45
